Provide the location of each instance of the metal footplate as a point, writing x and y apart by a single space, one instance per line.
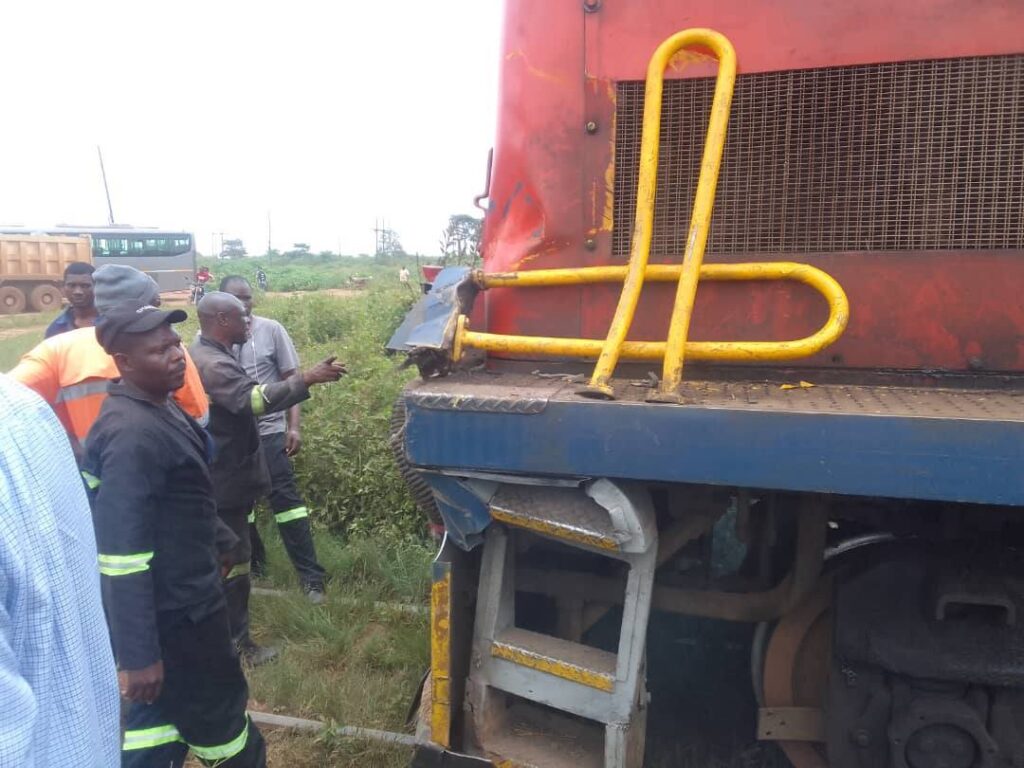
524 683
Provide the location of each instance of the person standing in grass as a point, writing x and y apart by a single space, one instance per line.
239 469
269 356
78 290
162 552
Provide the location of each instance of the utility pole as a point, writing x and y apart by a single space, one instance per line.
268 232
106 189
378 238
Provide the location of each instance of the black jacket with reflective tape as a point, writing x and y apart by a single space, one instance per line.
157 529
239 471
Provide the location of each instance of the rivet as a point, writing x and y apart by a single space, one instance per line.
591 126
590 244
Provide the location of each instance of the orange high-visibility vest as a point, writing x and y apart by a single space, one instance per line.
70 371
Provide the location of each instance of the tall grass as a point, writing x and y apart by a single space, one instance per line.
345 467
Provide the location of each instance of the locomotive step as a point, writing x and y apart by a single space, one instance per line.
560 658
537 737
566 514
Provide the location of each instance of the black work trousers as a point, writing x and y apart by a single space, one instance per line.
291 516
237 585
202 704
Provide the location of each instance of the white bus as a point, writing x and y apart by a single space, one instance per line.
168 256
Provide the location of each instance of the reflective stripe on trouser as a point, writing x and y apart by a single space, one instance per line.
284 499
202 704
291 514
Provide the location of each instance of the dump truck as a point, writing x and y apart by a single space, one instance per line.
727 433
32 269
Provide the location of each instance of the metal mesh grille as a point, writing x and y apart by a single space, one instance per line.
898 156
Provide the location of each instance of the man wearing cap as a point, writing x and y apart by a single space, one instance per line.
162 551
240 474
70 371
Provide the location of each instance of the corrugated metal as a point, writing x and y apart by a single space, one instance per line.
897 156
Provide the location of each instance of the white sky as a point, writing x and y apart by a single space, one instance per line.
328 114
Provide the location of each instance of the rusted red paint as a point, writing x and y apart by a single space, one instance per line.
933 310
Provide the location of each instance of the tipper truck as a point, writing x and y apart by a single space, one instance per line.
32 268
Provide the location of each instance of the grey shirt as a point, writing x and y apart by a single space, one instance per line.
268 352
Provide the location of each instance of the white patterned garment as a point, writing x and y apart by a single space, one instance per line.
59 702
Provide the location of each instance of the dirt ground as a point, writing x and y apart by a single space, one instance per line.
10 333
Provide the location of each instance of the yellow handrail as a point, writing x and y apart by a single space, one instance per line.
676 348
825 284
700 219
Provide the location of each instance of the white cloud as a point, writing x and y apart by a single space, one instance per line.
328 114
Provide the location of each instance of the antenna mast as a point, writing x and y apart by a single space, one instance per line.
106 189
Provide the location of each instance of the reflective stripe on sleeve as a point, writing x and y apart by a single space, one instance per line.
258 400
91 481
291 514
224 751
147 738
123 565
252 517
239 570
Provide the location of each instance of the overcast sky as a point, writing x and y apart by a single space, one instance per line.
328 114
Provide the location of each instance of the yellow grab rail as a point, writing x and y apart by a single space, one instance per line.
676 348
825 284
643 225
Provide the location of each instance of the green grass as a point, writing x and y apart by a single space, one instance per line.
13 347
347 662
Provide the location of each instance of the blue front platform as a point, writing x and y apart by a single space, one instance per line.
946 445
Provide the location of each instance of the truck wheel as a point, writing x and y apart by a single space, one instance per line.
12 300
45 297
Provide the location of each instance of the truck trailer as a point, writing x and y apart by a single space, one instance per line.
727 432
32 269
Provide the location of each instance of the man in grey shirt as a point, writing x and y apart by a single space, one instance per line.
269 356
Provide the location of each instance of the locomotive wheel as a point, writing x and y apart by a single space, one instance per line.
796 665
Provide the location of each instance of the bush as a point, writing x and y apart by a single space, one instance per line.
345 468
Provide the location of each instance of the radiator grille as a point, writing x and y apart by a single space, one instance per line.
884 157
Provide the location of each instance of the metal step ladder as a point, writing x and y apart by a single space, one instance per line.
605 518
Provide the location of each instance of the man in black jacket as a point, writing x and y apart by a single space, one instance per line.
240 475
162 550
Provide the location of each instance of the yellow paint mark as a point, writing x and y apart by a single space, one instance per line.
609 188
556 667
686 57
440 661
801 385
555 530
539 73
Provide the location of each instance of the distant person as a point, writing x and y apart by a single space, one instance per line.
261 279
58 684
269 356
71 371
162 551
239 469
203 276
78 290
403 276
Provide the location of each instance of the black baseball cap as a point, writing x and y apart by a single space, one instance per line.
132 317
